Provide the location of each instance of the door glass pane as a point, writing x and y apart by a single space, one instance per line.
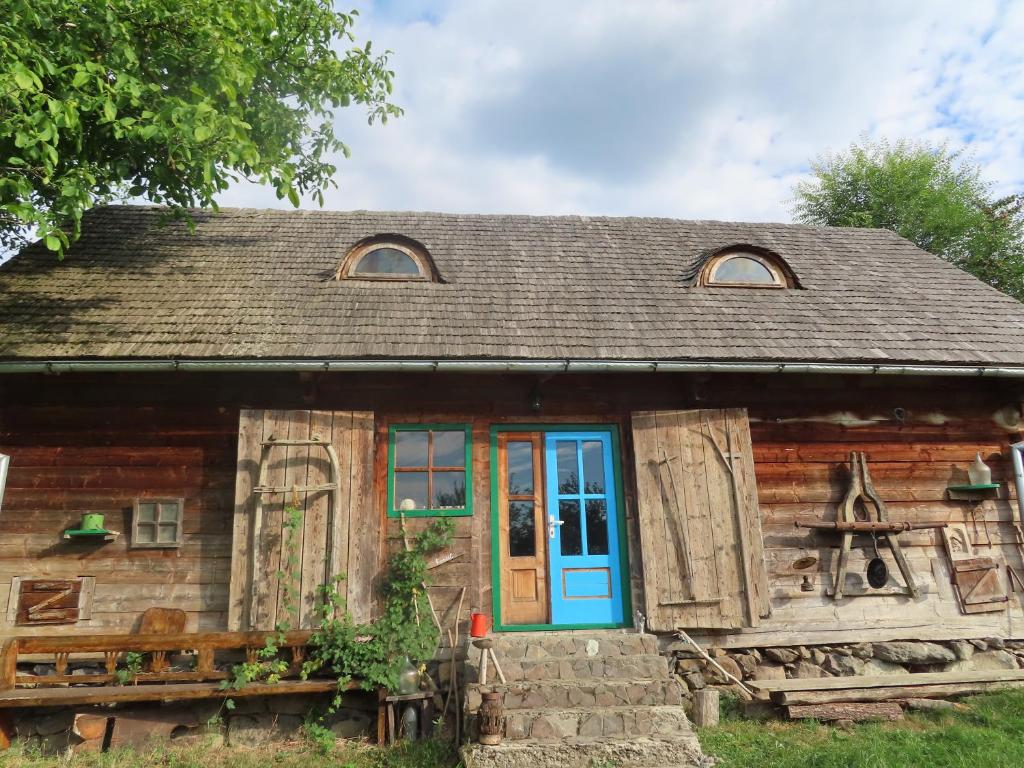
597 527
593 466
410 490
449 449
572 536
449 490
522 529
568 480
520 469
411 449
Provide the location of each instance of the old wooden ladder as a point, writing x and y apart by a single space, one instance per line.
331 563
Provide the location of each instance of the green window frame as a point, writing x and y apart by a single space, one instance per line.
412 470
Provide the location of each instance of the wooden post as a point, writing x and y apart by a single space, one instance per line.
705 708
9 664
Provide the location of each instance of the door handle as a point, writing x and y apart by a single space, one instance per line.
553 525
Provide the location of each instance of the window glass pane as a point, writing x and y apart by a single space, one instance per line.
572 537
593 466
449 490
522 529
743 269
449 448
167 533
597 527
411 448
169 512
410 490
147 512
520 469
565 456
386 261
145 533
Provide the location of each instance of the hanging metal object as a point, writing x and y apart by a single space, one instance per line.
877 570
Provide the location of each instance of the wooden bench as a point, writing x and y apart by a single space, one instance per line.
157 681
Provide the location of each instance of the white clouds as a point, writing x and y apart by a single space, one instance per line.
689 109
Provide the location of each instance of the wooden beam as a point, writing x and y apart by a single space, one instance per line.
177 642
883 710
885 681
894 692
61 697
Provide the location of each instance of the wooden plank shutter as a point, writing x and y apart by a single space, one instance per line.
48 601
700 528
350 547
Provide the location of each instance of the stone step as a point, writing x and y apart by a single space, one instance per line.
576 668
572 644
561 694
680 751
594 722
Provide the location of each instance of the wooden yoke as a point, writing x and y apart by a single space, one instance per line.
848 524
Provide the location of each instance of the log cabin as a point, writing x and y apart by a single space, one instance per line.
631 423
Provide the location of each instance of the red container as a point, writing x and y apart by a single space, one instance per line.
477 625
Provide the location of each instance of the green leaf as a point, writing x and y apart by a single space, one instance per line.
53 242
24 80
188 95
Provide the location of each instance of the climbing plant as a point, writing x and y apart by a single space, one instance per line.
374 653
268 666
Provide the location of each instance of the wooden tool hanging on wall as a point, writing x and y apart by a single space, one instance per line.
875 522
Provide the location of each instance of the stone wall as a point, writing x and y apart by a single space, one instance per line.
867 659
251 722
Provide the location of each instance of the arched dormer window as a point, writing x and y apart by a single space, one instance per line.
387 257
746 267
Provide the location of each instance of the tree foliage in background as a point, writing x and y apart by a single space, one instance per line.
926 194
171 100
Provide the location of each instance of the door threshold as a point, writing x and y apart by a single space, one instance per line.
557 627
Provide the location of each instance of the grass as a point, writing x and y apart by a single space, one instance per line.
988 733
426 754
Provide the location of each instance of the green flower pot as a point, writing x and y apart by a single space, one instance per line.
92 521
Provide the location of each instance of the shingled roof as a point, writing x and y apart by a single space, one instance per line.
257 284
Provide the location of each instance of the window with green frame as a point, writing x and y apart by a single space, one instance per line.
430 470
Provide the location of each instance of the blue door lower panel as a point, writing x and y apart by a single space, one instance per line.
583 530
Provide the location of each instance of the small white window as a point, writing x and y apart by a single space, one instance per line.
157 523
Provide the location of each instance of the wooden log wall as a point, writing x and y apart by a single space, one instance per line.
66 460
84 442
802 465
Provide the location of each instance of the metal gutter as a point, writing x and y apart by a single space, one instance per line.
514 366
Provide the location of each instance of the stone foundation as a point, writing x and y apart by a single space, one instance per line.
902 657
252 722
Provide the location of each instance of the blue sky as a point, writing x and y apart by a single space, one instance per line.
666 107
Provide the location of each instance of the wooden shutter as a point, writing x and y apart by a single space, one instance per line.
700 529
354 537
48 601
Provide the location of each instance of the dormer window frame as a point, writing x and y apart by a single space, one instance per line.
349 268
781 275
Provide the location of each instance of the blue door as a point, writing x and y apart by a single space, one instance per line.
583 533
